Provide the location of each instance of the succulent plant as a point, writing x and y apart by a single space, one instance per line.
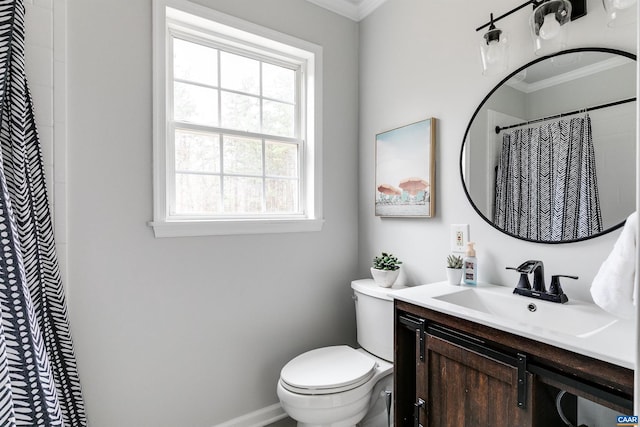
454 261
386 262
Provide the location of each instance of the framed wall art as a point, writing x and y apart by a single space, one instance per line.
405 171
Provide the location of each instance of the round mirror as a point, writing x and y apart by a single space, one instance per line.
549 154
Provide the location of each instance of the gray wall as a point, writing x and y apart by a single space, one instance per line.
194 331
419 59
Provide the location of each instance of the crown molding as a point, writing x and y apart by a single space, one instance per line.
568 76
351 10
368 6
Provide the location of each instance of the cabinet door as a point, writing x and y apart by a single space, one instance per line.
465 388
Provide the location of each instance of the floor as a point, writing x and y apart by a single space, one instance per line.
287 422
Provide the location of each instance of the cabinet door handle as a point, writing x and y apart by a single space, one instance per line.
522 381
416 412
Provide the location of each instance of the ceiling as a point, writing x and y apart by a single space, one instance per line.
352 9
563 68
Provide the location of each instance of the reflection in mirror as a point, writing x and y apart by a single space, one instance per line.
549 155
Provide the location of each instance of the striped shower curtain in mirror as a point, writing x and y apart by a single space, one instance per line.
546 185
39 383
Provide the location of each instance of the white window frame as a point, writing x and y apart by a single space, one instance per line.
200 21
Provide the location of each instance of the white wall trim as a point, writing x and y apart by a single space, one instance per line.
259 418
355 12
570 75
60 141
189 17
231 227
341 7
368 6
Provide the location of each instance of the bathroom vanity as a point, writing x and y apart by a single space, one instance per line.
481 356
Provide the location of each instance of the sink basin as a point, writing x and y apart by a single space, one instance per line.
580 320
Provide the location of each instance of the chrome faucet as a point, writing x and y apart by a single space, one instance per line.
539 290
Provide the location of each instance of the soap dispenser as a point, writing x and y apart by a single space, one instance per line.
470 265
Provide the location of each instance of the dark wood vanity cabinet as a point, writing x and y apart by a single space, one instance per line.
453 372
465 388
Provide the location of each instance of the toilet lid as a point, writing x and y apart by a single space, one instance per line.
327 370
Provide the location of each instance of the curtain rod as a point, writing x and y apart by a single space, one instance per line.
556 116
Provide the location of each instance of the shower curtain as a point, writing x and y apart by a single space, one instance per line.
39 383
546 184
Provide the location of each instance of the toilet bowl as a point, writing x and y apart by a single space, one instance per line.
331 386
339 386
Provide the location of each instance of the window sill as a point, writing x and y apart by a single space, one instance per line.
231 227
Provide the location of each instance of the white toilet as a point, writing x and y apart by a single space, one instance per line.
341 386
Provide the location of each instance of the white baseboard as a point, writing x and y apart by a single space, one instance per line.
259 418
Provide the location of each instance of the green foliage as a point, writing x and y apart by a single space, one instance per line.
386 262
454 261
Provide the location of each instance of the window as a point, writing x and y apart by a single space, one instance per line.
236 126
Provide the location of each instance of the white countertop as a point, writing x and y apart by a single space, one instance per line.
576 326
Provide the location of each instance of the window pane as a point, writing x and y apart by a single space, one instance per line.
239 73
278 118
282 195
242 195
242 156
281 159
278 82
195 104
197 152
240 112
197 194
195 62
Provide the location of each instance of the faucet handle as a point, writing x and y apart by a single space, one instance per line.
523 283
566 275
526 267
556 289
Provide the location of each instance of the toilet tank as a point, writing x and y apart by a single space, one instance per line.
374 317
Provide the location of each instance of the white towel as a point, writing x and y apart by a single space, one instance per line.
613 288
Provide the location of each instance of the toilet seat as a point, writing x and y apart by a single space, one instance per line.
327 370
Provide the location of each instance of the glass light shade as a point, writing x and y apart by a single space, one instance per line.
493 52
550 27
548 24
620 12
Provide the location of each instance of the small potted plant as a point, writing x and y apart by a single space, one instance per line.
454 269
385 270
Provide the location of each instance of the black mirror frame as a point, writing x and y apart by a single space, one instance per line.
466 133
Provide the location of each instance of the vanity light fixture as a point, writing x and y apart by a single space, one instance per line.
548 28
493 50
548 24
620 12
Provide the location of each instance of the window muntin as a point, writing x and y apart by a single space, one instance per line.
235 123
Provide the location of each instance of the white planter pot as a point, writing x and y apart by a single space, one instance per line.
454 275
384 278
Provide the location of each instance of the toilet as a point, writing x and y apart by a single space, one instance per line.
340 386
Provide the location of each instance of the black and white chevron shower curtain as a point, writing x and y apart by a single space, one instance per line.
39 383
546 185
